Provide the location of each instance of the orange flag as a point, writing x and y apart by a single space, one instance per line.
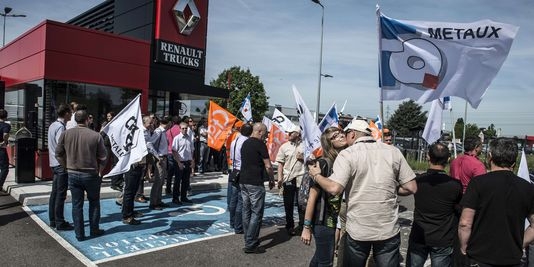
220 123
276 138
375 132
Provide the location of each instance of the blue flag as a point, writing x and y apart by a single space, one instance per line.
330 119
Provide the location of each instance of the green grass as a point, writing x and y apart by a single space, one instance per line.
423 165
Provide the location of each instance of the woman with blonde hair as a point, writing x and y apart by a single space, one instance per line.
322 208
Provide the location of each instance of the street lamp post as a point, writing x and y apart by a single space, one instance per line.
7 10
320 61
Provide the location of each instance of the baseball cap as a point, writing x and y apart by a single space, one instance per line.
293 128
358 125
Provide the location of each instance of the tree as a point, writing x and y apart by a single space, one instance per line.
240 83
490 132
459 128
471 129
407 118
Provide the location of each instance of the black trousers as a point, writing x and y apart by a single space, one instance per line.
132 180
181 182
290 197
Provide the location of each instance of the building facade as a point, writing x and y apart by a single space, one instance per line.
103 58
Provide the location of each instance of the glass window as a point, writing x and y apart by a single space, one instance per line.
24 106
99 99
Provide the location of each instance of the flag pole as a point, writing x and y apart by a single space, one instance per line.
465 123
381 101
453 135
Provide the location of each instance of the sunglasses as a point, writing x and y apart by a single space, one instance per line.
337 135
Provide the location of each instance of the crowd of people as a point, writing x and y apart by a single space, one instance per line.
465 218
469 217
79 157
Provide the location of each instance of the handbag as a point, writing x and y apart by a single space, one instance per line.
234 174
234 177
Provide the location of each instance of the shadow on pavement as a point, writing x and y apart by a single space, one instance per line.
275 238
8 216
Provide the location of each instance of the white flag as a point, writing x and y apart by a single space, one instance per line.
267 123
126 136
311 135
425 60
522 171
246 108
447 104
432 131
282 121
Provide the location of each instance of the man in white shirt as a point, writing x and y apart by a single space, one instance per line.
182 150
72 123
290 160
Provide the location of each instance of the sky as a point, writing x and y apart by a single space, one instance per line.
279 41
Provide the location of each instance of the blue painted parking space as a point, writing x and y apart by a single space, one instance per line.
206 218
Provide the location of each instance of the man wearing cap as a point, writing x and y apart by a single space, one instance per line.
290 160
372 174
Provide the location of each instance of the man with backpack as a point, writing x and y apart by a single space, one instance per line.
290 160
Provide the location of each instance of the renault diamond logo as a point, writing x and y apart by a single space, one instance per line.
187 15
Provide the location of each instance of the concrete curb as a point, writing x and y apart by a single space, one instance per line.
38 193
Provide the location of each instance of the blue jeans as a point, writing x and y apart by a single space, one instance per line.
204 156
418 253
56 203
253 206
385 252
132 179
78 184
325 239
172 170
235 207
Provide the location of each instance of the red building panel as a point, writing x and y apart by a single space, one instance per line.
54 50
167 27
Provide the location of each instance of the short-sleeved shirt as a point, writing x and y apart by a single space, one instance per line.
235 151
502 201
253 152
435 220
465 167
371 172
287 155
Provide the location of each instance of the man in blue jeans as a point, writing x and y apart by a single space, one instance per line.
56 203
235 201
254 162
435 220
371 174
81 151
